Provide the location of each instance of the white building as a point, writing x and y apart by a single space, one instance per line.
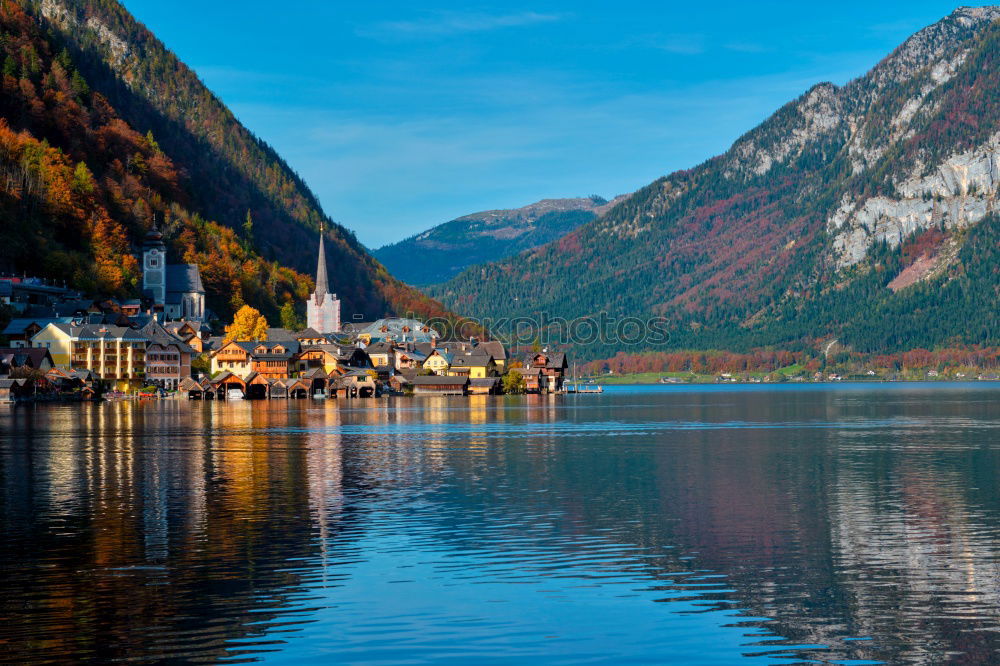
323 308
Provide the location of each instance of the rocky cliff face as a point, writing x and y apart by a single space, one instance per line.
960 192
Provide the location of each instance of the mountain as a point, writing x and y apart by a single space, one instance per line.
442 252
105 130
866 213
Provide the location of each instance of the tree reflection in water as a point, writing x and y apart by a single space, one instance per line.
805 520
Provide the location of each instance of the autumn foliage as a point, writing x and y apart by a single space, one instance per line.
248 324
83 176
79 187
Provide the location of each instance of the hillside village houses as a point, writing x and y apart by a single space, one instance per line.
70 343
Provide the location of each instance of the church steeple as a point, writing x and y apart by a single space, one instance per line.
322 283
323 307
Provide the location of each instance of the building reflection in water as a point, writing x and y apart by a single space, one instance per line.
211 531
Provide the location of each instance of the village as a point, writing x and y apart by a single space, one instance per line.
62 346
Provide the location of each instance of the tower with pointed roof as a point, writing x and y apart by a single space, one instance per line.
323 308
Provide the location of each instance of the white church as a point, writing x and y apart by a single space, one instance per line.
323 308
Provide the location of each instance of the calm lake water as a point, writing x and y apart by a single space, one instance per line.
844 524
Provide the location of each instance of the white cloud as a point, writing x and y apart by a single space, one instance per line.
454 23
681 43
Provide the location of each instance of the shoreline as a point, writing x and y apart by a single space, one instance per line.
642 380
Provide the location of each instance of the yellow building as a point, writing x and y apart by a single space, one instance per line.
234 357
438 362
495 349
382 354
332 358
474 364
114 353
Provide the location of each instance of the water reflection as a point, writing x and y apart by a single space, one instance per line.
793 525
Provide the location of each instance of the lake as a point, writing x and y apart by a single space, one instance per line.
696 525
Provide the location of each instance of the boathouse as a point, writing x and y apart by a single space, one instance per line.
439 385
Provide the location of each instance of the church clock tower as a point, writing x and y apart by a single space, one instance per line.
154 266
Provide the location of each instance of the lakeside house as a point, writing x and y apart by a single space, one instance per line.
484 386
545 371
439 385
438 361
13 359
272 360
382 354
474 364
168 358
117 354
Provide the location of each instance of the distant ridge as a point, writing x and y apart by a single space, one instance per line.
442 252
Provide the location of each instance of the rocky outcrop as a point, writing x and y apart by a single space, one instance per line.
962 191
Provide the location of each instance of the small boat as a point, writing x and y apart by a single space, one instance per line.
234 394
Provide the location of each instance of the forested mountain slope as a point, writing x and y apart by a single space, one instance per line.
91 90
864 212
442 252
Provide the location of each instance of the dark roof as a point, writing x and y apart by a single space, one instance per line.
9 383
343 353
281 335
489 382
17 326
212 343
381 347
349 327
456 346
291 348
102 332
424 348
438 380
553 359
415 355
66 308
174 326
182 279
160 336
20 356
188 384
309 333
494 348
470 360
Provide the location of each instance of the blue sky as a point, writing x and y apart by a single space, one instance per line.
403 115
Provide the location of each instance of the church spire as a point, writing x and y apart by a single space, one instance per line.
322 283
